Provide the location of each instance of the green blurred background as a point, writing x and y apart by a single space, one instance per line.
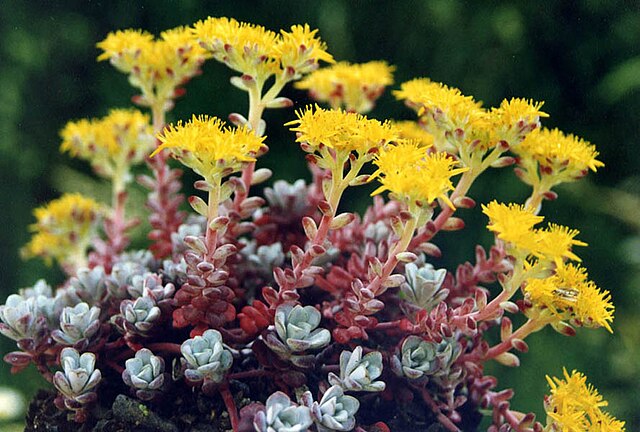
581 57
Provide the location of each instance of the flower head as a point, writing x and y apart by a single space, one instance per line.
446 105
556 241
412 131
209 148
156 66
354 87
568 295
340 130
561 157
112 144
63 229
513 223
243 47
576 406
299 51
414 176
515 118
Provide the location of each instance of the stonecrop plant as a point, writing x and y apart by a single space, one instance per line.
284 312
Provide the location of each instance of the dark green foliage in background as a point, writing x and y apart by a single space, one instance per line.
580 57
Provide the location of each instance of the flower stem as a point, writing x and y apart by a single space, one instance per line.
531 326
227 397
463 186
212 213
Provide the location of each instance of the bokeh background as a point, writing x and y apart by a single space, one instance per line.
581 57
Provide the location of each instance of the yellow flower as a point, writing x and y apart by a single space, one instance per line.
300 51
156 67
513 223
556 241
111 144
564 157
446 105
515 118
246 48
209 148
412 175
63 229
354 87
568 295
575 406
124 47
412 131
339 130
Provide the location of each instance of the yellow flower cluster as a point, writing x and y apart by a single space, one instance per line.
156 66
353 87
514 224
111 144
567 295
344 132
255 51
447 106
553 157
208 147
413 176
514 119
63 229
575 406
412 131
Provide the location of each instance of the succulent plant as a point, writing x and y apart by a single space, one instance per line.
175 271
289 197
150 285
194 226
263 259
206 358
137 316
357 372
122 276
88 285
422 285
335 411
144 373
296 326
420 358
22 318
377 232
297 333
78 379
142 257
282 415
40 288
77 323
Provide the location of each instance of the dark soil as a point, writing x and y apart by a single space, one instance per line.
182 409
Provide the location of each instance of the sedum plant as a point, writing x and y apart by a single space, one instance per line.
287 312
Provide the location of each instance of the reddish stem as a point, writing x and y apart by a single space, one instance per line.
390 325
444 420
166 347
41 365
255 373
227 397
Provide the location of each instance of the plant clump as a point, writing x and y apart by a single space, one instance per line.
286 313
